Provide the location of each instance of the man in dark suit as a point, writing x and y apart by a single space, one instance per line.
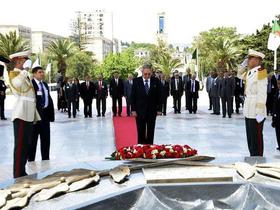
276 113
238 92
127 92
101 95
215 93
146 104
87 91
187 78
192 90
117 92
3 88
71 97
227 93
271 91
177 92
165 93
44 105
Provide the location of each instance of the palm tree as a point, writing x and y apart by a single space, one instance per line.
166 64
12 43
227 54
60 50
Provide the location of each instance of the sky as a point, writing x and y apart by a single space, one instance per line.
136 20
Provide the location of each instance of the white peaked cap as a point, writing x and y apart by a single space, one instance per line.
254 53
24 54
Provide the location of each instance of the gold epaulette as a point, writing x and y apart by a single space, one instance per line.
262 74
13 74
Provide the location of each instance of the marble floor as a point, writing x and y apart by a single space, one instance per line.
79 140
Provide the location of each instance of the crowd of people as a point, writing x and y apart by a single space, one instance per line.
146 97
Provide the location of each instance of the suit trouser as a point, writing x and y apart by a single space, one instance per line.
101 100
88 108
128 106
227 105
210 101
192 103
41 128
2 108
115 100
164 106
269 103
216 105
73 104
254 132
277 130
146 129
186 99
177 102
237 102
23 137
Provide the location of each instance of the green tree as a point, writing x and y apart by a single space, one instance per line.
11 43
166 64
60 50
80 65
124 62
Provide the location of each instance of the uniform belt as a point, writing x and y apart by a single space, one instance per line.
24 98
251 96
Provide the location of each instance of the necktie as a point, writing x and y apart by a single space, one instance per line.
241 83
146 86
87 85
192 87
116 81
100 85
43 95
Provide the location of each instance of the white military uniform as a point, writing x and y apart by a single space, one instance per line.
255 92
254 104
25 105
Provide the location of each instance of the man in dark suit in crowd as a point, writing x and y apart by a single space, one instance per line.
101 95
87 91
165 93
44 105
187 78
3 88
209 82
117 92
127 92
146 104
192 90
227 93
71 96
276 113
271 91
215 94
177 92
238 92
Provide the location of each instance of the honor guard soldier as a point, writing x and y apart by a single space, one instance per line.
24 113
255 78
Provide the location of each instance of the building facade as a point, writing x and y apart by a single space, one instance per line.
41 40
22 31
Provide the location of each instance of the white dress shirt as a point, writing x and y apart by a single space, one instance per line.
149 81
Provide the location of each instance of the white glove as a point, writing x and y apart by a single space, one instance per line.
244 64
24 73
259 118
27 64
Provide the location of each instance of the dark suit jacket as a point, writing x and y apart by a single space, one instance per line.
239 90
165 90
71 93
46 114
227 87
87 94
146 105
103 91
189 88
180 87
216 87
3 88
127 89
276 110
186 78
116 91
274 81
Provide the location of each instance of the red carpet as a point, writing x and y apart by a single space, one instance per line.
125 130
